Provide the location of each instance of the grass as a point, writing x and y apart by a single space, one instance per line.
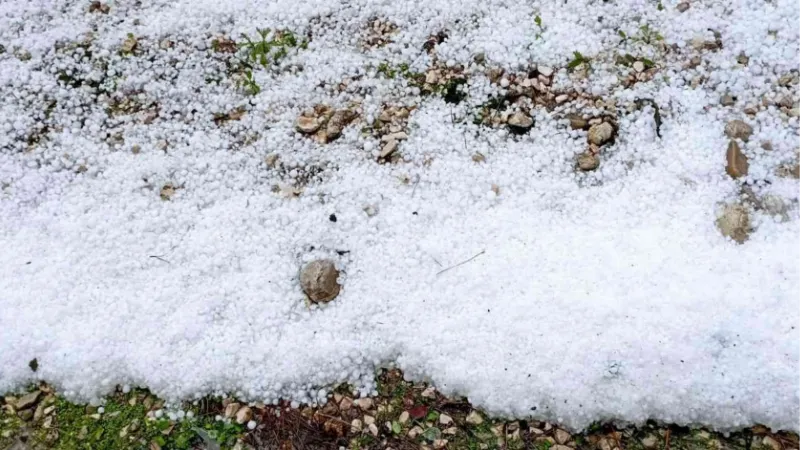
265 50
127 422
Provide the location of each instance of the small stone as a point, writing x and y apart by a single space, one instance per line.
738 129
346 404
474 418
478 157
272 160
601 133
788 171
27 400
370 210
432 77
444 419
307 125
588 161
683 6
167 191
369 420
340 119
742 59
387 150
404 416
25 415
773 204
429 392
451 430
784 101
771 443
577 122
399 136
694 62
737 162
439 443
562 98
231 409
751 110
650 441
364 403
414 432
562 437
734 222
319 280
520 122
243 415
638 66
129 44
766 145
356 426
373 429
727 100
546 71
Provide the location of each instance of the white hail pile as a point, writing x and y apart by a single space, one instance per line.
146 243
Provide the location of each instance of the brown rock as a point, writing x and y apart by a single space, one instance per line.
788 171
520 122
737 161
727 100
243 415
577 122
319 280
683 6
588 161
231 409
340 119
734 222
771 443
738 129
562 437
27 400
601 133
307 125
167 191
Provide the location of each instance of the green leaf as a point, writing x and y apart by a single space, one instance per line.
433 416
538 21
648 63
396 428
622 34
431 434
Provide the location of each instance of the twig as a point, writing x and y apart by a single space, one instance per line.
436 261
460 264
160 259
666 439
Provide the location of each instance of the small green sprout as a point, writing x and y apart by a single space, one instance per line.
577 60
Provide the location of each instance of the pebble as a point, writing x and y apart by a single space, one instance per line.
734 222
683 6
243 415
474 418
562 437
444 419
588 161
356 426
650 441
404 416
727 100
737 161
27 400
319 280
547 71
577 122
364 403
773 204
601 133
307 125
520 122
638 66
562 98
771 443
388 149
167 191
340 119
738 129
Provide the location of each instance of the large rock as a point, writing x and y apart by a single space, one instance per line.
319 280
601 133
737 161
738 129
734 222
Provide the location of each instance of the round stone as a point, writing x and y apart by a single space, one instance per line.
588 161
319 280
601 133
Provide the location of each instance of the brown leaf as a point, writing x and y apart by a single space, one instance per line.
418 412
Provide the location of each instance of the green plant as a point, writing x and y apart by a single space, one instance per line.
268 48
248 84
538 21
649 35
577 60
387 70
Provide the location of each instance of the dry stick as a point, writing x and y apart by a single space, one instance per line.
666 439
461 263
160 259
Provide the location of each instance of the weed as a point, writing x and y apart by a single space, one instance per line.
387 70
577 60
648 35
265 50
